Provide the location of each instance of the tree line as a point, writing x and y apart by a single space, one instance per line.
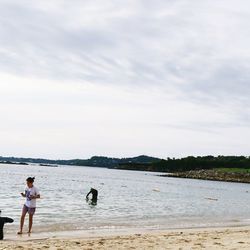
191 163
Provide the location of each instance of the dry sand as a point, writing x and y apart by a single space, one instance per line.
220 238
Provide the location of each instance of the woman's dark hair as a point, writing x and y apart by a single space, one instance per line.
30 179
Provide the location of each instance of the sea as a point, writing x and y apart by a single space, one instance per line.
127 200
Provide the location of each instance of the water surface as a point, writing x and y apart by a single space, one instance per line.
127 199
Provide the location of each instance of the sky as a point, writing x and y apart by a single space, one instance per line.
165 78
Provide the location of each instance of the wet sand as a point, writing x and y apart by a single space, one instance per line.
213 238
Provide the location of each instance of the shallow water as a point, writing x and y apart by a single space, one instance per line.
127 199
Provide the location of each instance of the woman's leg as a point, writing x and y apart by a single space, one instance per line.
24 212
30 222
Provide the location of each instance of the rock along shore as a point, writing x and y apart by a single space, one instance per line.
214 175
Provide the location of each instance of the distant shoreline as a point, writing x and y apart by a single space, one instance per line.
13 163
237 175
212 175
220 168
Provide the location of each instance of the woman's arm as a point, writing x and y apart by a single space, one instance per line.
23 195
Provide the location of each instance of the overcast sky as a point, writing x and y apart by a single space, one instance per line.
167 78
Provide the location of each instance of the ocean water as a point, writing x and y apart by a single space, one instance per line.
127 199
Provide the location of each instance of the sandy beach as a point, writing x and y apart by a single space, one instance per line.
213 238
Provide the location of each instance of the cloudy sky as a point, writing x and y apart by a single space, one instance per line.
167 78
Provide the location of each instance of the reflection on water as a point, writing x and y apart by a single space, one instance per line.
125 199
91 202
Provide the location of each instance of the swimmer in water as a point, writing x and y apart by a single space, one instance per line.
94 193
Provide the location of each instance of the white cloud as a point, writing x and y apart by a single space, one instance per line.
123 78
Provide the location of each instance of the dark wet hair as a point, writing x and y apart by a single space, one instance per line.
30 179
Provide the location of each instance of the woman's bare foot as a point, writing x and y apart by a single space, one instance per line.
20 232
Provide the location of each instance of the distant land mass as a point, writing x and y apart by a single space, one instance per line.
222 168
95 161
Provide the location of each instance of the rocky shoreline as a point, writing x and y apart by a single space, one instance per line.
212 175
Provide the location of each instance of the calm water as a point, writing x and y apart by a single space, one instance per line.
127 199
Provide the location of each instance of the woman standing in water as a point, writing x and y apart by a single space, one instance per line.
31 194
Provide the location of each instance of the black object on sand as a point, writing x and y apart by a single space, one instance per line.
3 220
